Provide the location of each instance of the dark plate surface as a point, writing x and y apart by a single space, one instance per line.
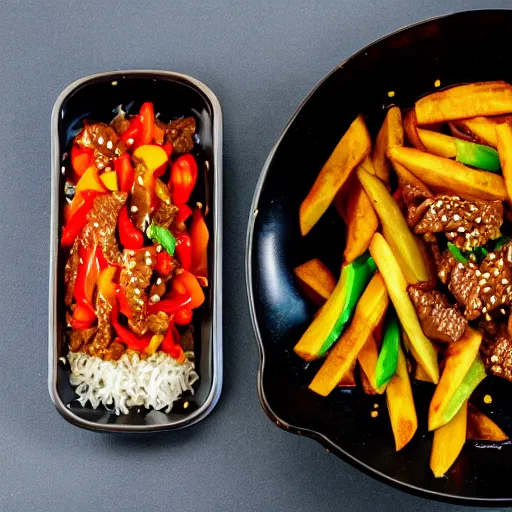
173 95
464 47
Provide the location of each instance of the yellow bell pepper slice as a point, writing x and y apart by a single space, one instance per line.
109 179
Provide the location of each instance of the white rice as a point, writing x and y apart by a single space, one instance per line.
156 382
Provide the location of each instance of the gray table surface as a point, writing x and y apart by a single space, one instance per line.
261 61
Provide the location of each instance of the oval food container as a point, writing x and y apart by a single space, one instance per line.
174 95
464 47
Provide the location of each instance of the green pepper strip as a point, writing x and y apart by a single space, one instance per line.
388 357
456 253
477 155
356 275
162 236
500 242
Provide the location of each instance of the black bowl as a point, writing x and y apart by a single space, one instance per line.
464 47
173 95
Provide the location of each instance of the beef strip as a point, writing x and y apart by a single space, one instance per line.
104 140
467 224
165 214
120 123
140 201
104 333
101 226
70 273
181 134
135 278
439 320
498 357
482 288
158 322
80 338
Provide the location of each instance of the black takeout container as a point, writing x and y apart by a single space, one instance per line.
463 47
174 95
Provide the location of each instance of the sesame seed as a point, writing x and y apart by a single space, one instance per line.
487 289
439 203
494 359
96 225
158 248
456 217
155 298
502 311
500 262
114 83
374 414
504 281
492 256
375 406
478 220
460 266
488 317
159 281
130 141
442 273
444 218
484 310
140 181
134 209
482 282
132 253
461 229
149 261
185 405
493 299
109 144
488 399
81 261
132 264
478 273
133 279
101 140
486 275
136 291
437 83
391 94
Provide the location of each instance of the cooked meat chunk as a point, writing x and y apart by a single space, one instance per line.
104 140
135 278
181 133
498 357
103 335
101 226
70 272
467 224
165 214
482 288
158 323
80 338
140 203
120 123
440 321
415 199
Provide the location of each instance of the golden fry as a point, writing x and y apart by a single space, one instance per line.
316 278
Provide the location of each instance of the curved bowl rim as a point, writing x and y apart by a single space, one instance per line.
324 440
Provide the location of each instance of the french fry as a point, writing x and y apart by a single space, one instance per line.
370 309
348 380
449 176
421 374
367 359
411 130
438 143
353 147
397 288
316 279
366 384
361 221
402 412
504 143
460 355
395 227
463 101
448 442
483 129
482 428
391 134
405 176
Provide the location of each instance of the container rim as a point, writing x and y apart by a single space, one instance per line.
217 341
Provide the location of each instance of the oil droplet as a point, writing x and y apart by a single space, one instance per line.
375 406
185 405
488 399
374 414
437 83
391 94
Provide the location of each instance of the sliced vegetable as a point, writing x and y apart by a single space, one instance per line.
126 336
125 172
463 101
411 131
185 283
183 178
163 264
438 143
162 236
89 181
81 159
369 312
147 121
448 442
402 412
353 147
106 285
388 357
397 288
171 303
152 157
109 180
361 220
130 236
483 129
78 220
482 428
183 316
397 230
184 250
87 276
456 253
504 143
477 155
83 316
171 345
334 316
154 344
391 134
459 358
450 177
200 238
367 358
316 279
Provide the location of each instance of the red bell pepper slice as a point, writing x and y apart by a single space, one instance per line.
147 119
183 178
81 159
170 304
78 220
183 316
130 237
86 277
163 263
126 336
184 212
124 305
185 283
102 261
200 236
125 172
167 147
184 250
83 317
134 130
171 345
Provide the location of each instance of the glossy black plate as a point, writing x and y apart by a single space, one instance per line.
173 95
464 47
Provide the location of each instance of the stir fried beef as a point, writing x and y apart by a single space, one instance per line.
140 202
104 140
70 273
498 357
440 321
135 278
103 335
165 214
467 224
158 322
79 338
181 133
101 227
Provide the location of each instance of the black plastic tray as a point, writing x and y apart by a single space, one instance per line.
174 95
